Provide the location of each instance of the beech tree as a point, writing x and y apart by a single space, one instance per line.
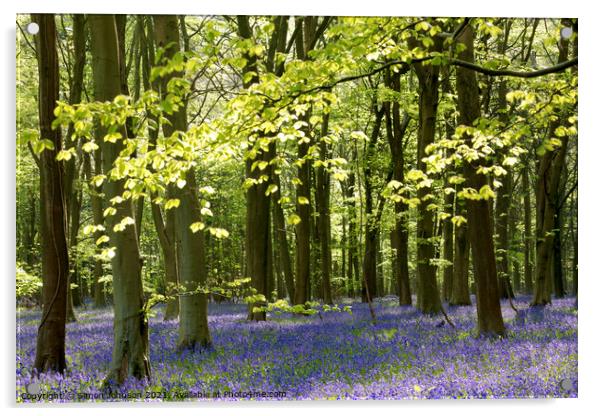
50 347
130 326
480 226
192 268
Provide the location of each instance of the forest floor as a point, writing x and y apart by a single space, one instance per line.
405 355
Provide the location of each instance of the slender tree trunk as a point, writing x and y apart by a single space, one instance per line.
512 221
303 228
304 41
50 346
548 179
71 166
449 197
76 293
557 272
503 242
575 240
164 222
460 292
396 128
257 247
480 226
284 256
130 326
191 263
448 248
352 246
502 206
528 237
323 207
429 300
369 290
167 241
98 219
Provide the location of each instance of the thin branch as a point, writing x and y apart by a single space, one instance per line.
510 73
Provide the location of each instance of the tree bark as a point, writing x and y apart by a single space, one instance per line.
50 345
257 247
130 326
191 264
164 222
97 218
396 128
429 300
323 208
548 179
372 218
303 191
284 256
502 206
528 236
480 227
460 293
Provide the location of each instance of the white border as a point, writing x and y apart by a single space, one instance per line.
590 153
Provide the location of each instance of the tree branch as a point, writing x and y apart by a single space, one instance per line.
510 73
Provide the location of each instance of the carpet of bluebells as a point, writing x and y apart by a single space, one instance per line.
405 355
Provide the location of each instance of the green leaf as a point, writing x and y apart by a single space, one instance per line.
293 219
415 175
123 223
458 220
89 147
172 203
302 200
197 226
109 211
112 137
64 155
98 180
102 239
486 192
271 189
219 232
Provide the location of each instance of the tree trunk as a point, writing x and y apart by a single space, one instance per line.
575 240
257 247
449 197
130 326
480 227
303 228
502 206
50 346
284 256
72 165
503 242
98 219
460 294
372 220
557 272
323 208
399 236
352 245
548 179
429 300
448 248
191 264
528 237
164 227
